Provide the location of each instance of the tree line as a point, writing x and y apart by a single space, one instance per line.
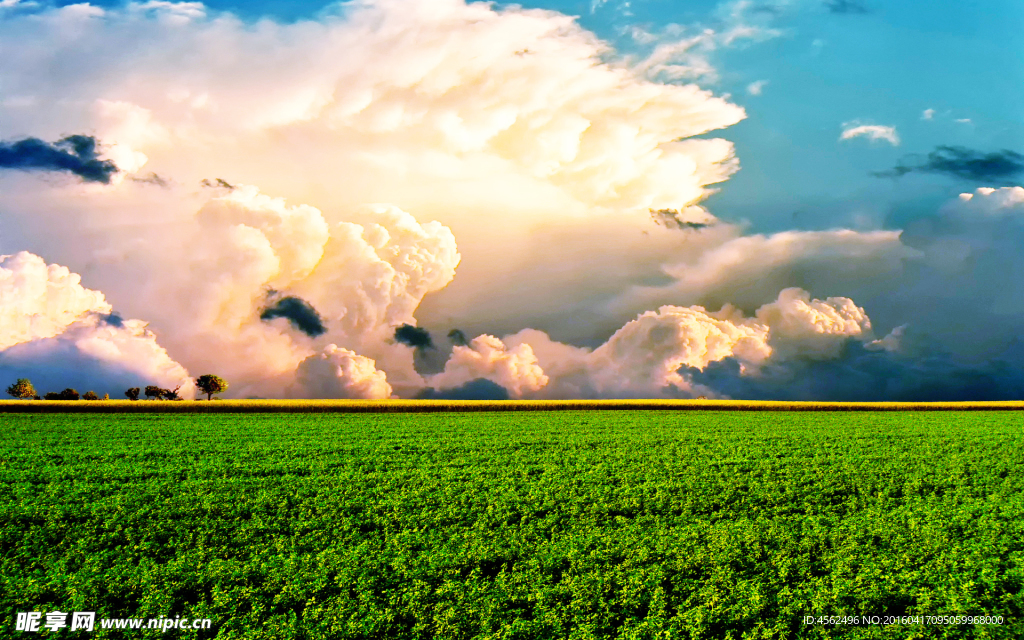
209 384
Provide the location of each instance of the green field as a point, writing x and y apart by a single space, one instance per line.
541 525
431 406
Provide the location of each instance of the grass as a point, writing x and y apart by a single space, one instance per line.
427 406
619 524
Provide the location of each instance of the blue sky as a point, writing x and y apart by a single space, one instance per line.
885 66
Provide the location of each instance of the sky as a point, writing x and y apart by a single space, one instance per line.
777 199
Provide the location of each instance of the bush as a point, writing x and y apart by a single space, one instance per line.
90 395
133 393
52 395
69 394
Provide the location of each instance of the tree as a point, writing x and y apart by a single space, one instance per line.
154 392
90 395
69 394
22 389
106 396
211 384
172 394
132 394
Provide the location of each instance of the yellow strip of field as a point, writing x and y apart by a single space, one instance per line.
419 406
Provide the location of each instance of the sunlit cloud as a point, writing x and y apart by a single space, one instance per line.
870 131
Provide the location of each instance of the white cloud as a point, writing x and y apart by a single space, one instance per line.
174 12
684 52
891 342
755 88
801 327
339 373
871 131
487 357
988 201
40 301
928 114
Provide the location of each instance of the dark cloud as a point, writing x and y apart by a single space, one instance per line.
219 183
153 179
299 313
414 337
75 154
966 289
862 375
114 320
959 162
670 219
458 338
479 389
846 6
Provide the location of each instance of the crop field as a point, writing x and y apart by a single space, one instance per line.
529 525
429 406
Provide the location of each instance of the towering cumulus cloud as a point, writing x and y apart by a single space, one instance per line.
272 284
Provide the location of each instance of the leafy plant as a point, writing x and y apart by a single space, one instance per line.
614 524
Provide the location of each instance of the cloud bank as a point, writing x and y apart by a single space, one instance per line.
646 356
